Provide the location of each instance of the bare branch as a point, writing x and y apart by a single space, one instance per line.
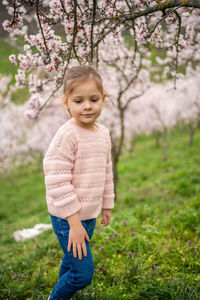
63 7
108 32
49 98
38 18
132 98
177 46
75 30
161 7
133 27
164 17
150 10
92 27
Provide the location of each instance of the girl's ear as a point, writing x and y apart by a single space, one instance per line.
65 102
104 99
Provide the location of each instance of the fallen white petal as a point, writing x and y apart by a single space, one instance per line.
28 233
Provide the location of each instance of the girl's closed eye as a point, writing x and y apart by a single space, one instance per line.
93 100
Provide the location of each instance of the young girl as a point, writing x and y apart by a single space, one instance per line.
79 178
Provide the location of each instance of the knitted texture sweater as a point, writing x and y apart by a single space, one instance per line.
78 171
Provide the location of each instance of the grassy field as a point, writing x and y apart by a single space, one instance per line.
7 68
149 251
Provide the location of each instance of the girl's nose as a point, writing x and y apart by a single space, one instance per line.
87 105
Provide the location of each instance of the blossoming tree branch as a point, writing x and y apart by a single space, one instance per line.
170 25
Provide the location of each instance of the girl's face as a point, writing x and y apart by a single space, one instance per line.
85 103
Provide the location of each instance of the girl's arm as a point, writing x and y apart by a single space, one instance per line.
58 163
77 236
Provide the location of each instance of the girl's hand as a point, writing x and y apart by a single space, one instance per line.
106 216
77 236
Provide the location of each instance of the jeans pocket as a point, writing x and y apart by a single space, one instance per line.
64 227
54 223
92 227
89 226
93 222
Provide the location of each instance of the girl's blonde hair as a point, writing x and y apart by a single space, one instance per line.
77 75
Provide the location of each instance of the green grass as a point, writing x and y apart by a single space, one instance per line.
6 68
151 246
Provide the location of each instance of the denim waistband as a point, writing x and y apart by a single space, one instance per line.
87 221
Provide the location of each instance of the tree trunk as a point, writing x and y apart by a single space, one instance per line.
164 144
131 145
116 152
157 135
191 132
115 172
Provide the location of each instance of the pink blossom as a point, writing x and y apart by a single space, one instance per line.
20 78
13 59
52 53
170 19
11 26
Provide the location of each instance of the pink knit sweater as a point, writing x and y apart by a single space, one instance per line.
78 171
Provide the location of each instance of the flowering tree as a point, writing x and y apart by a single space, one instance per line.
124 80
90 29
157 113
157 110
161 108
23 138
188 101
172 25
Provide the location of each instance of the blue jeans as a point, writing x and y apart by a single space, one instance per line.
74 274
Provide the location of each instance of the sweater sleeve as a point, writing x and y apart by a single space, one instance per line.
58 164
108 194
